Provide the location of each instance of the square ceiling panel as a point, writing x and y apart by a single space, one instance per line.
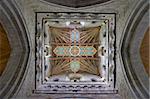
75 53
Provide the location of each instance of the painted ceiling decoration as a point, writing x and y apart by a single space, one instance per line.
75 35
4 49
77 40
74 50
76 3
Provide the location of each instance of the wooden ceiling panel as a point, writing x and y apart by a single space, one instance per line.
144 51
4 49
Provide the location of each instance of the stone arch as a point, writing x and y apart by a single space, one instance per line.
16 30
130 45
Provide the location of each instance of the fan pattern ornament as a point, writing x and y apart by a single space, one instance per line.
74 50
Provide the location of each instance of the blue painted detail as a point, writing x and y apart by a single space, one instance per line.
75 36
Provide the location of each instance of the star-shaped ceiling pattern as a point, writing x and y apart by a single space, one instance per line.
74 48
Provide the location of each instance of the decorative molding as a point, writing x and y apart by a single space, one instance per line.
105 86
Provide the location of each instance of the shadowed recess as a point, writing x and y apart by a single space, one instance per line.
144 51
4 49
76 3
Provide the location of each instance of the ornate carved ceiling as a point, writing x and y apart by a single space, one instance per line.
12 17
74 46
76 3
80 49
